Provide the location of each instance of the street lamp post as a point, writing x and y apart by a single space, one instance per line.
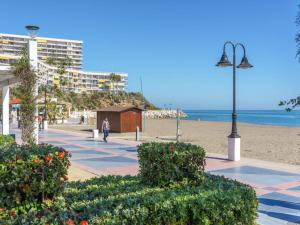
33 59
234 140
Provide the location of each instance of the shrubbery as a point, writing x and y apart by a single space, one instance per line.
165 163
6 140
126 200
31 173
180 193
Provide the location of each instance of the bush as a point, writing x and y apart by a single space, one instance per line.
126 200
6 140
164 163
31 173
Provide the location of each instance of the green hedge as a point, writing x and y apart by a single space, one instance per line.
164 163
31 173
126 200
6 140
180 193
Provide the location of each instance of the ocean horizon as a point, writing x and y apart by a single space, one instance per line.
261 117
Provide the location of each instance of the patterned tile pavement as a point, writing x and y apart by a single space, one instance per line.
277 185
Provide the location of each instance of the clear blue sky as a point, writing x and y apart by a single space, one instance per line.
174 45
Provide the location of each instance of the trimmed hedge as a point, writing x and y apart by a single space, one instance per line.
126 200
31 174
165 163
6 140
180 193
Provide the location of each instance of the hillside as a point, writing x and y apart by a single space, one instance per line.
92 101
104 99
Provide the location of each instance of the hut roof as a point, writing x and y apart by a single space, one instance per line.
117 109
15 101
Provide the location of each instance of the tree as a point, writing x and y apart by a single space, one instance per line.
291 104
298 34
61 68
294 102
22 69
63 81
114 79
45 88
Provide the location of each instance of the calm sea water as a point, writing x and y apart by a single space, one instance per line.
264 117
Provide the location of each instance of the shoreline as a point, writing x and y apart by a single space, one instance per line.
242 123
280 118
245 123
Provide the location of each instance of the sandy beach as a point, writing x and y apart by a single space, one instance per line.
270 143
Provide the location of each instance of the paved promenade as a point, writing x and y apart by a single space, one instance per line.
277 185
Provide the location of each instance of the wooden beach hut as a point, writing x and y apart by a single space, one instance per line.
121 119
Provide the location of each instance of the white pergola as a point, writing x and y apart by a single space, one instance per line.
7 79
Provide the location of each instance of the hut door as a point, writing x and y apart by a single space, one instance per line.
133 119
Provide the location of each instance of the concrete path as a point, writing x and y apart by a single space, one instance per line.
277 185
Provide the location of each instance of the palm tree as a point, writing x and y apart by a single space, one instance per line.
114 79
118 79
63 81
298 34
294 102
62 65
46 89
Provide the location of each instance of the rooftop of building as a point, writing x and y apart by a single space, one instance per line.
42 38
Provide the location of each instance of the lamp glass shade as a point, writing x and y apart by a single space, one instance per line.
224 62
244 63
32 30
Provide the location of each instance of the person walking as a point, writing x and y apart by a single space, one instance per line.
105 129
40 121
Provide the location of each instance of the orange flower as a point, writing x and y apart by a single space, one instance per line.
70 222
64 178
61 155
1 210
25 188
84 222
12 213
18 157
172 148
48 158
36 161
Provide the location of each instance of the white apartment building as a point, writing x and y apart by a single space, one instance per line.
11 47
79 81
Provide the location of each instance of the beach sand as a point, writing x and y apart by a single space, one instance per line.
270 143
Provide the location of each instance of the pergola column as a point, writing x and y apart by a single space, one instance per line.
5 110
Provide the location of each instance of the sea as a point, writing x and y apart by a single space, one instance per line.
262 117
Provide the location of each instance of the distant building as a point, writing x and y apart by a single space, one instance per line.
78 81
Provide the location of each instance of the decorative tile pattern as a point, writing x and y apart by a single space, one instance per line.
258 175
278 190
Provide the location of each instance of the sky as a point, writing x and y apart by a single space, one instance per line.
173 45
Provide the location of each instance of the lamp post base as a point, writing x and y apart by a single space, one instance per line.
95 133
45 125
234 148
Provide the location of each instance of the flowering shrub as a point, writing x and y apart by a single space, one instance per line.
165 163
31 174
126 200
6 140
185 194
